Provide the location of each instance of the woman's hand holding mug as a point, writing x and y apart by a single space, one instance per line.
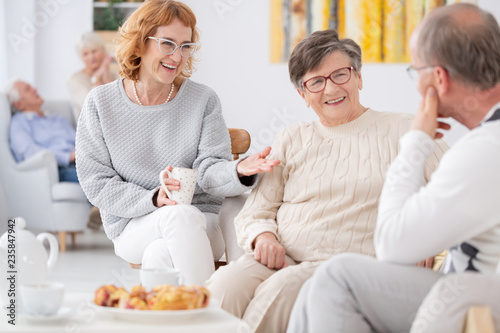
177 186
170 184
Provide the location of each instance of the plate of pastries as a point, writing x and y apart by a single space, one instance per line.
164 301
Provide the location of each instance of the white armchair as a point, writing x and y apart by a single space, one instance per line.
32 187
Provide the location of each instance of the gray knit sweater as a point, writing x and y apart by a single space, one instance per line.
121 147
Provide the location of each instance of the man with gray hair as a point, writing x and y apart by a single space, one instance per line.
456 60
32 131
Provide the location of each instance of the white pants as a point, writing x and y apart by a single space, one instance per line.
355 293
173 236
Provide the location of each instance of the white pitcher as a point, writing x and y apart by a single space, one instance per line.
32 263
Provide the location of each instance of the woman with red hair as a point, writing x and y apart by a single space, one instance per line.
154 118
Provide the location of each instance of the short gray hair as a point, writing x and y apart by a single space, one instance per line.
12 93
89 39
468 50
312 50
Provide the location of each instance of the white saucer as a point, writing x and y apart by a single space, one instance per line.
62 314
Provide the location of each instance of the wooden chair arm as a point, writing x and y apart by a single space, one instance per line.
479 319
240 142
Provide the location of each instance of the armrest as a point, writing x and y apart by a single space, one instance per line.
42 160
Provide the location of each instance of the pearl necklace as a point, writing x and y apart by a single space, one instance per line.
139 101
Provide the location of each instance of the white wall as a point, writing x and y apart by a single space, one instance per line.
40 43
255 94
20 39
56 57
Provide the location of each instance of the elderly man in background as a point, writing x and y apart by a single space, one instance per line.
32 131
456 53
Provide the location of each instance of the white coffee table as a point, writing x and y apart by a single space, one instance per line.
78 315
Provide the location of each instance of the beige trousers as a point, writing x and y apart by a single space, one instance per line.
262 297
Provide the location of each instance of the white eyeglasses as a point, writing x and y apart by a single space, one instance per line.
168 47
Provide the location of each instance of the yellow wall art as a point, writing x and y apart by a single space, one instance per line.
381 27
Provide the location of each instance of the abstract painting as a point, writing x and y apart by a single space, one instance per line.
381 27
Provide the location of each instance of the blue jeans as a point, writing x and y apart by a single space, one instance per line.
68 174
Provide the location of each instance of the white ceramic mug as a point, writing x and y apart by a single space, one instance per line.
157 277
187 178
42 299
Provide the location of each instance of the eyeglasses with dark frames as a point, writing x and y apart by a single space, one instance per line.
318 83
168 47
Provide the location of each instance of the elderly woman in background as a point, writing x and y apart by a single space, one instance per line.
152 119
92 51
322 199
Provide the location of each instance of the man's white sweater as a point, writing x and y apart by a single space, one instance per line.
458 209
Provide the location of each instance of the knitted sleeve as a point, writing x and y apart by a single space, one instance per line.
217 171
99 180
260 210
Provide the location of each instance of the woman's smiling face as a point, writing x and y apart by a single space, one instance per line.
336 104
165 68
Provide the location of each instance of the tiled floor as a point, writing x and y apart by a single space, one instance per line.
92 263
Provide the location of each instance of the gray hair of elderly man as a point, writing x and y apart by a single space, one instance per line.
312 50
89 39
465 40
12 93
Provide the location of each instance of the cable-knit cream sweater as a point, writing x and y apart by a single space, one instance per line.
322 199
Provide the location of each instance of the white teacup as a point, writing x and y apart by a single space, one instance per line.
187 178
42 299
156 277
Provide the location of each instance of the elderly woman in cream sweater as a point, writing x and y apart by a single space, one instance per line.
322 199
